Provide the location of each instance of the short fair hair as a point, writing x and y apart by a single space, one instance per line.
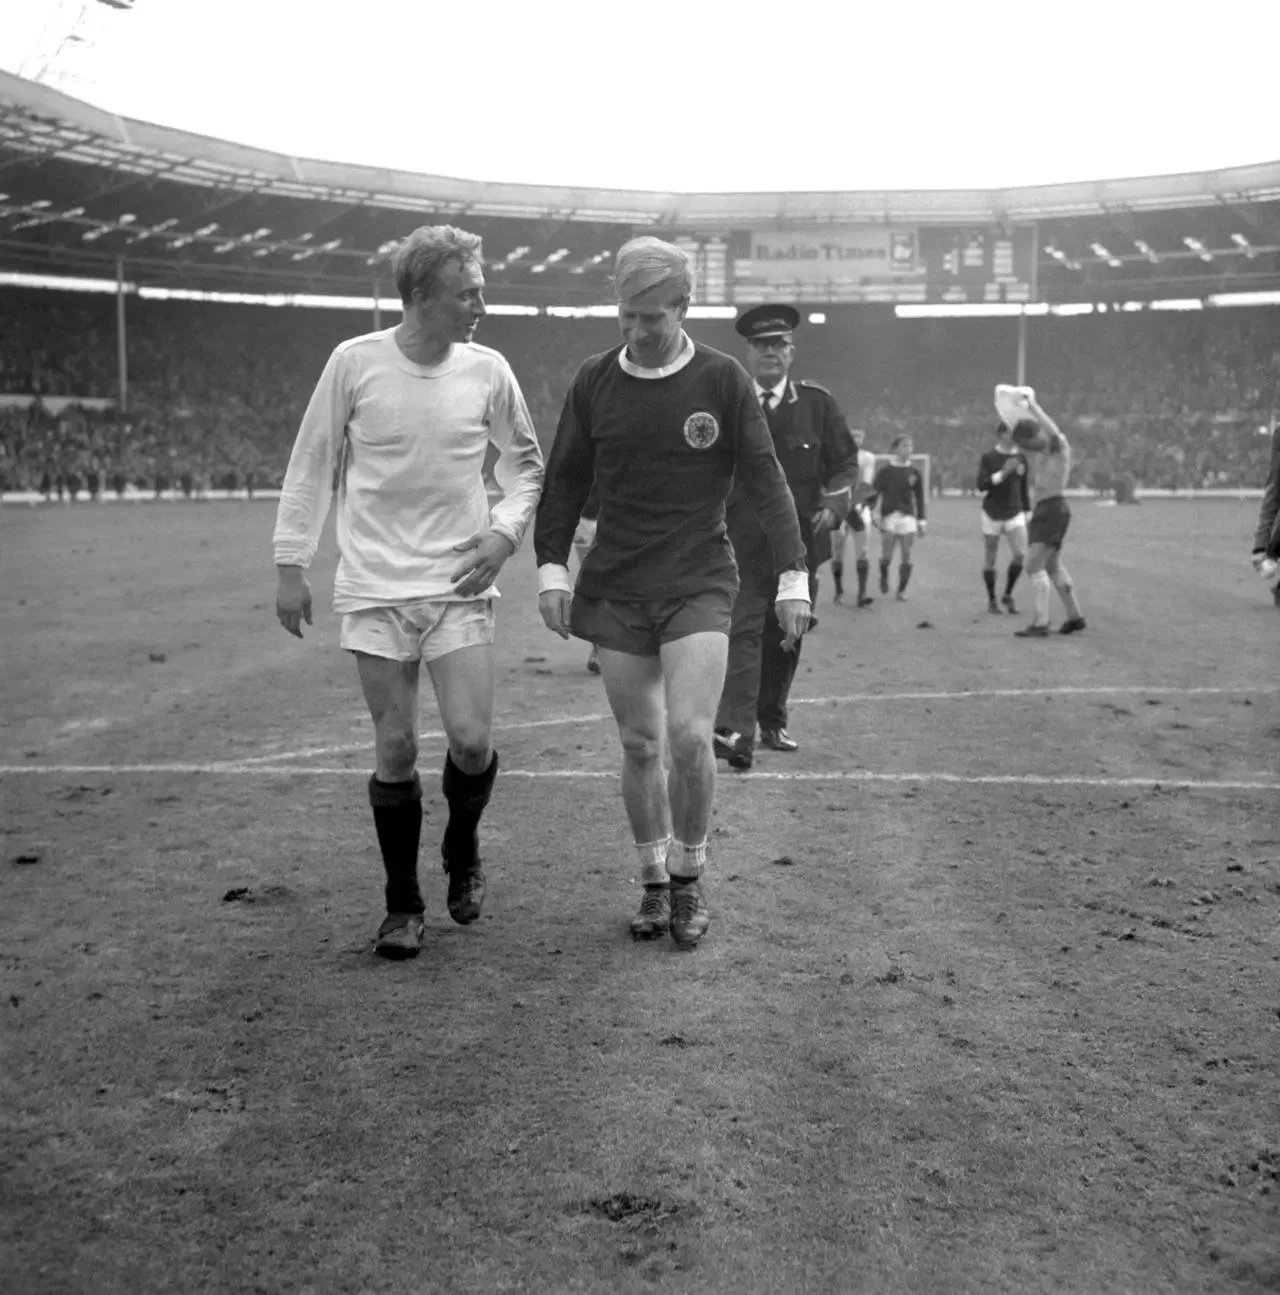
901 439
647 262
418 260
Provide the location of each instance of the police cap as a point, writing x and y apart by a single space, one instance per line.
768 320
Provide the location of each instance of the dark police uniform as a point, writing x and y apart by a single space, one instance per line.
820 462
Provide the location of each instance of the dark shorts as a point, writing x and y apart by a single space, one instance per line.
1049 522
641 629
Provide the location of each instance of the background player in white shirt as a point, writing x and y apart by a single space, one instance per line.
857 525
408 414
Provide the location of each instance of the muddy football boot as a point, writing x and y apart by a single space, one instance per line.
399 936
466 886
654 918
689 915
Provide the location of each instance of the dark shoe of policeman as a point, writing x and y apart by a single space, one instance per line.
689 915
778 739
1007 603
399 936
466 887
654 918
1072 626
1032 632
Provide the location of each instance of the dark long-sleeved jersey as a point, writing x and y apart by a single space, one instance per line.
901 489
1009 497
663 453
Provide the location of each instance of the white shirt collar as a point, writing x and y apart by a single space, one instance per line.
686 354
777 392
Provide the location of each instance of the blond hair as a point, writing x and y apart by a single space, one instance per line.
420 258
647 262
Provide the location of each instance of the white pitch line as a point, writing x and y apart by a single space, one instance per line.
566 775
311 753
1083 691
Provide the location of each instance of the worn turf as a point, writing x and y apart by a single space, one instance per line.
944 1034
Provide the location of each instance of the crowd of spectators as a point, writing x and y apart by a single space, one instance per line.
215 392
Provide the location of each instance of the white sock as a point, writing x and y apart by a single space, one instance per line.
692 861
1042 586
653 861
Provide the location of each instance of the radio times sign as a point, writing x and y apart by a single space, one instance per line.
789 256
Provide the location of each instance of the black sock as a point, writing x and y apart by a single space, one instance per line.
904 574
467 794
1011 576
397 818
837 575
863 568
989 579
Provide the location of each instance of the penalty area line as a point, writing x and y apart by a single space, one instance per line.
569 775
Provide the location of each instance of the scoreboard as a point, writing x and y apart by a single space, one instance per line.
855 263
978 264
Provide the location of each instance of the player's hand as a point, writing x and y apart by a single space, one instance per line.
486 552
824 520
921 527
1019 469
293 600
554 606
793 616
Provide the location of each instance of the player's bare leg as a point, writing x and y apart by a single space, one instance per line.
837 562
1018 548
634 687
990 550
463 682
395 795
887 541
904 565
693 670
1041 586
1063 583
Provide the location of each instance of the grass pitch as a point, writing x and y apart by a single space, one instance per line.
982 1007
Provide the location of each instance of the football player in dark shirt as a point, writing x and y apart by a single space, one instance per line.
1006 505
900 516
663 426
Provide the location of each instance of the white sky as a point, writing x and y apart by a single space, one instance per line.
694 95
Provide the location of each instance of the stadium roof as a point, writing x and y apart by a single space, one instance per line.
80 186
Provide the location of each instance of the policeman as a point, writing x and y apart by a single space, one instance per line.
820 460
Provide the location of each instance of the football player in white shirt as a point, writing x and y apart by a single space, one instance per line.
408 413
857 524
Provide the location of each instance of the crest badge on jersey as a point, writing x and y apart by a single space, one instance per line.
701 430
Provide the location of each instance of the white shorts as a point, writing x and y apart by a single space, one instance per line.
899 524
992 527
419 631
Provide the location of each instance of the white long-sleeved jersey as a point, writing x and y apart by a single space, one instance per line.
411 440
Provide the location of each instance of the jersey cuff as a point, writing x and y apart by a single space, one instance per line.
552 577
793 585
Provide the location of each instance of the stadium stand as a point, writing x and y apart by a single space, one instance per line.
216 391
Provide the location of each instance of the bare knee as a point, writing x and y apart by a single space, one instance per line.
641 747
469 743
397 753
690 741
